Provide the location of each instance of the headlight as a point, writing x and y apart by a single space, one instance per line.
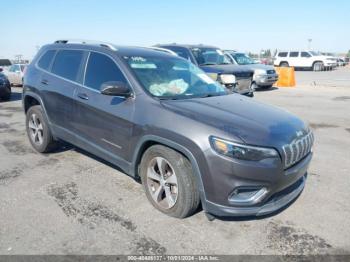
240 151
260 72
227 79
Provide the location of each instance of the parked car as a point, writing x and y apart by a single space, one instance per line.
264 76
341 62
15 74
217 65
5 64
304 59
162 119
5 87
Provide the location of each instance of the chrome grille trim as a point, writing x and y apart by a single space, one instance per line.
298 149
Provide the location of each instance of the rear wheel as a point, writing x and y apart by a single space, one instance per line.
38 130
169 182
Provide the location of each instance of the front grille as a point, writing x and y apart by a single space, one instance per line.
243 74
271 72
297 150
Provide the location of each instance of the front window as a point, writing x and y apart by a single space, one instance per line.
242 59
210 56
172 78
315 53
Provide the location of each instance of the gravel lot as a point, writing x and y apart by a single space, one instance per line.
69 202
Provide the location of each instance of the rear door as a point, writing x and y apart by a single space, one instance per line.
294 59
104 121
59 86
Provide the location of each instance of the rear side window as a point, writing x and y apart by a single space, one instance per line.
101 69
293 54
46 59
282 54
305 54
67 64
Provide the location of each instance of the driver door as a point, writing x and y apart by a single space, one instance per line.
105 122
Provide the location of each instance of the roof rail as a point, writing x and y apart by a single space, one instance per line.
165 50
77 41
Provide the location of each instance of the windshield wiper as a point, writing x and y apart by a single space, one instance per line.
204 64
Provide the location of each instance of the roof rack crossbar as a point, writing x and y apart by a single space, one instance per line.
75 41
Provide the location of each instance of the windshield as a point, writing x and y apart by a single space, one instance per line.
210 56
242 59
172 77
314 53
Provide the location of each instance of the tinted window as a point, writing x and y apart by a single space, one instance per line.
293 54
45 60
180 51
305 54
282 54
101 69
67 64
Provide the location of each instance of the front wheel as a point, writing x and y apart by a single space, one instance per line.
318 66
169 182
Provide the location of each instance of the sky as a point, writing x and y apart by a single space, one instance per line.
249 25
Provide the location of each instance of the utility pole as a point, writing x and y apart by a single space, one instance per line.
309 43
18 58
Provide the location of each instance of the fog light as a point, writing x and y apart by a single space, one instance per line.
247 195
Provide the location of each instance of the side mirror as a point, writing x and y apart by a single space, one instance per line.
115 88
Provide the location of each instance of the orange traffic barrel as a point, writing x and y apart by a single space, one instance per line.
286 76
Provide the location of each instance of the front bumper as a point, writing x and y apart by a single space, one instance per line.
266 80
282 186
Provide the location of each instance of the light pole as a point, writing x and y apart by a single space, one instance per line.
309 43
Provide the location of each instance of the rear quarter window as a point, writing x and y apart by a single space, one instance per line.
46 59
282 54
67 64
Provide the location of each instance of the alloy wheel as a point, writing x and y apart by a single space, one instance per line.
36 129
162 182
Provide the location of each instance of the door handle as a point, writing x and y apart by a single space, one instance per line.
44 81
83 96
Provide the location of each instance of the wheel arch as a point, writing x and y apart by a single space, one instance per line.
282 62
150 140
317 61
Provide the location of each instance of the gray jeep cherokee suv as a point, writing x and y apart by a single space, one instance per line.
162 119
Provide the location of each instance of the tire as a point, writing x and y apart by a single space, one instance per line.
179 182
41 139
254 86
284 64
7 95
317 66
265 87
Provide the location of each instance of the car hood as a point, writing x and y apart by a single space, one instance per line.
228 69
255 123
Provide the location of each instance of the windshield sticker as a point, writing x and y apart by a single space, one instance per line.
138 59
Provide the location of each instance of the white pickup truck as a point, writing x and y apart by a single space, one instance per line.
304 59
